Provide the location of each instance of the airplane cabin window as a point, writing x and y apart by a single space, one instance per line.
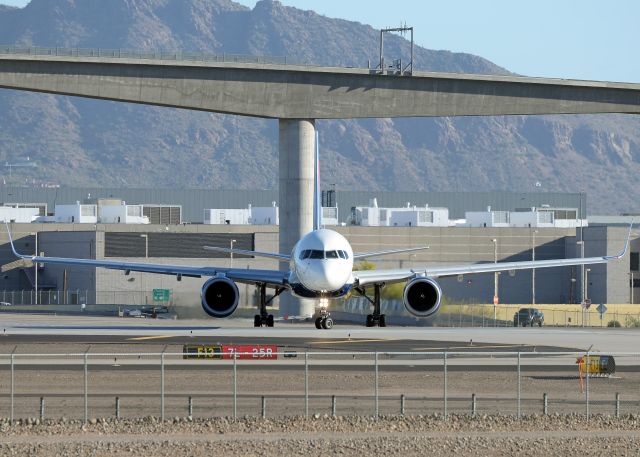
304 254
316 254
332 254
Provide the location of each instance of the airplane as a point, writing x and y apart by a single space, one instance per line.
320 267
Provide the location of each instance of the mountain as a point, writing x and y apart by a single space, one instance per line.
77 141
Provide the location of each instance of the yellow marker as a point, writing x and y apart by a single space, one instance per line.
351 341
467 347
155 337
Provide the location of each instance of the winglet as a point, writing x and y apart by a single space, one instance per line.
13 248
625 248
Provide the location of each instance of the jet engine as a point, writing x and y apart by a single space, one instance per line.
219 297
422 297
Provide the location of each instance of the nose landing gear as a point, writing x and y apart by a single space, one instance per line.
324 321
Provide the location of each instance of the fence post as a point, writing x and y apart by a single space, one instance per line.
444 359
118 408
162 386
473 405
235 386
402 399
264 407
41 409
86 388
617 405
519 385
12 376
545 404
306 384
333 406
190 407
586 394
376 384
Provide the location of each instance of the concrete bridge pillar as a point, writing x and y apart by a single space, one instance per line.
296 165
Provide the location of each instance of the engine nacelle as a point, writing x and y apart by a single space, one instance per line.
219 297
422 297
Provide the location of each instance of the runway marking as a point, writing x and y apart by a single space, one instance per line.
155 337
477 347
355 340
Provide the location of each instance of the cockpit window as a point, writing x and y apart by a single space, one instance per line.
316 254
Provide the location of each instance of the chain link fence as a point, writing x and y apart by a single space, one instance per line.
288 383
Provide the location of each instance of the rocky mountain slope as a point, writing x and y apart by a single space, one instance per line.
76 141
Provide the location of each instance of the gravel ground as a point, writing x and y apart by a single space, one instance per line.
555 435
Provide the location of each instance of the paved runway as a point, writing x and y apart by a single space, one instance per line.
23 329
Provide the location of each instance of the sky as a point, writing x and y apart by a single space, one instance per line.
574 39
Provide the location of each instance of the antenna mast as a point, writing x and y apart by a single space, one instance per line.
397 67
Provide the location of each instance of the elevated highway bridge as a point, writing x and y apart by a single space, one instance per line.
297 95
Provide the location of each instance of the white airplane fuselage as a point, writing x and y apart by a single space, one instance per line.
321 265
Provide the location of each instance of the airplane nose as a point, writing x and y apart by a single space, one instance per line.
324 276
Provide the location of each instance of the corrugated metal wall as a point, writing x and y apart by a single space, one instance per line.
194 201
176 245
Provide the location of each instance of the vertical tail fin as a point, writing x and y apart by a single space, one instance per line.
317 196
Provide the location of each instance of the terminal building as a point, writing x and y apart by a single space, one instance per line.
543 231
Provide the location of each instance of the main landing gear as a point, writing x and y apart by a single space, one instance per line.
324 321
265 319
376 319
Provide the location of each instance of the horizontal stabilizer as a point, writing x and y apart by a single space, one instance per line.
271 255
363 255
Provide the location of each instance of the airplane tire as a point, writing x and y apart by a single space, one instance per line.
270 320
257 321
383 321
369 321
318 323
327 323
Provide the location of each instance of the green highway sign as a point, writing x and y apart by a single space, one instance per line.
161 294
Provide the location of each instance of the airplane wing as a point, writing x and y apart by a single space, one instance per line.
366 277
241 275
364 255
271 255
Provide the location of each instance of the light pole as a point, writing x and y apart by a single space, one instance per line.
146 257
533 270
495 282
582 291
586 294
146 245
231 254
35 265
586 283
495 274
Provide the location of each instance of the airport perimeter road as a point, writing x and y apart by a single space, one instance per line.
21 329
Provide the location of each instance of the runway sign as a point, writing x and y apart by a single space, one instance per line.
598 364
251 352
201 351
